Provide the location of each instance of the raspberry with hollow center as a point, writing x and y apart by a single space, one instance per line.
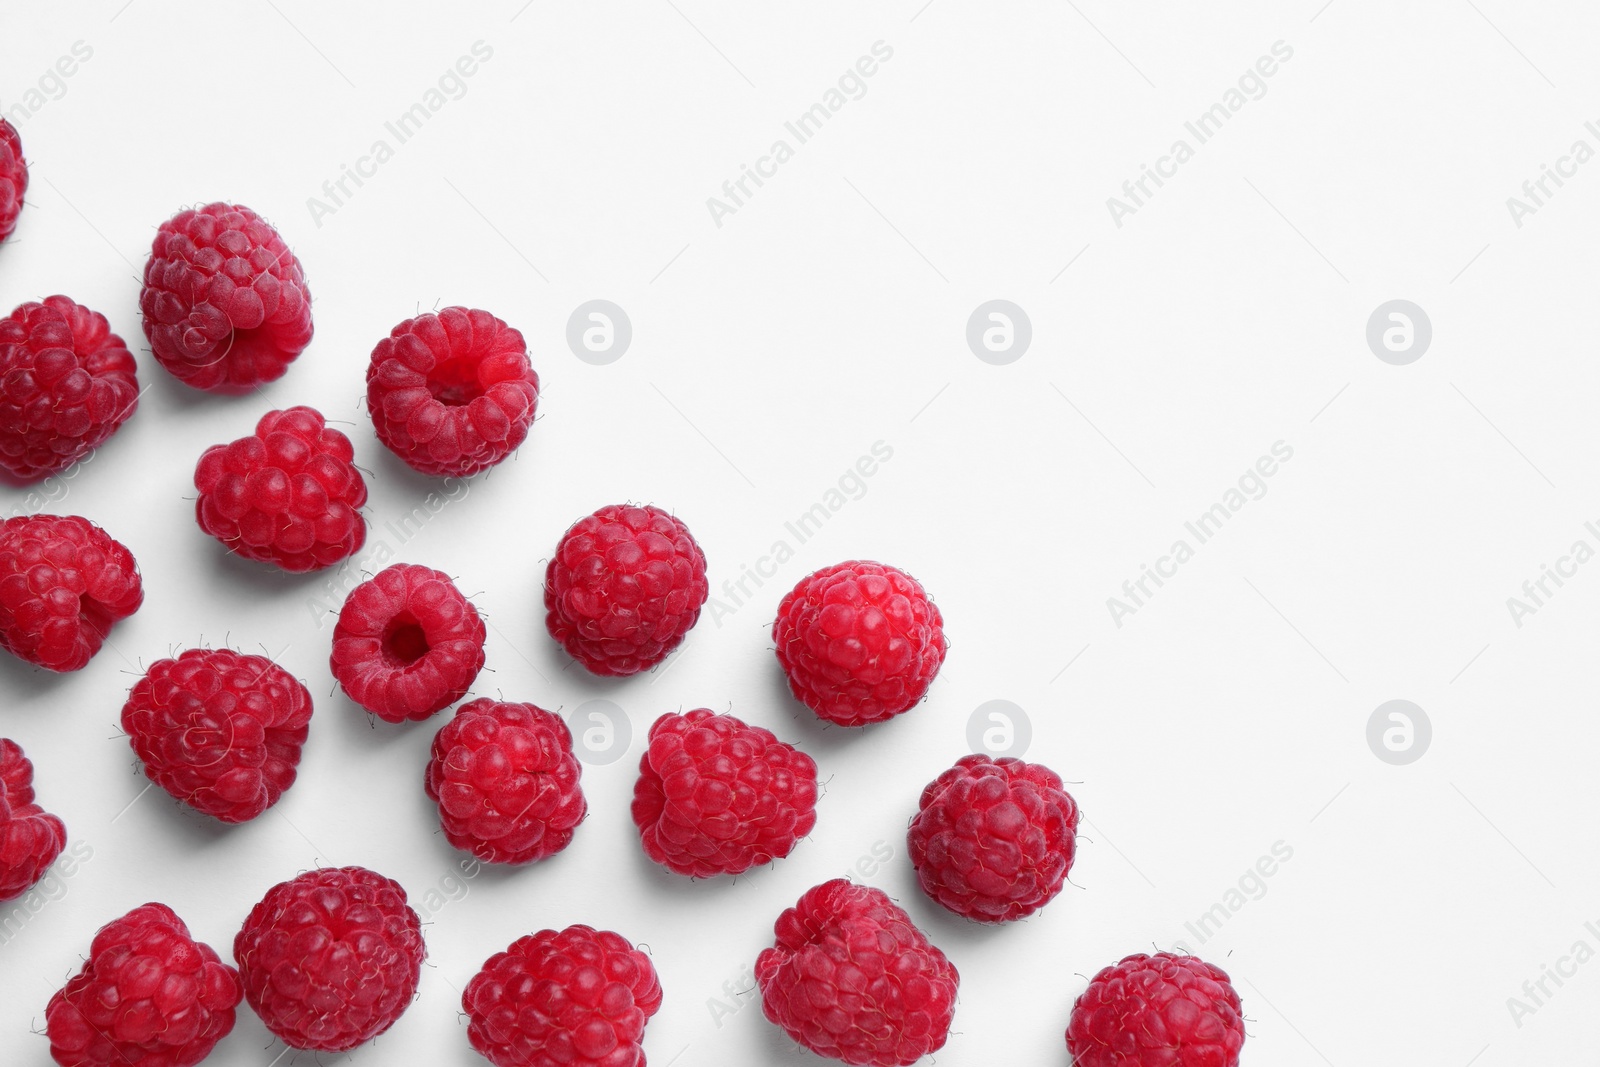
452 392
13 178
623 588
407 643
149 994
716 796
577 997
63 583
1160 1010
331 959
225 303
66 384
288 494
506 781
993 839
853 979
219 730
30 840
860 642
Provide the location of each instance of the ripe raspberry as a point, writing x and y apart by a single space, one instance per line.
623 588
1157 1011
851 978
63 583
30 840
219 730
331 959
13 178
407 643
506 781
149 994
716 796
577 997
860 642
66 383
288 494
225 302
993 840
452 392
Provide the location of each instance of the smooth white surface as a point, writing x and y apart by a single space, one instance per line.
827 314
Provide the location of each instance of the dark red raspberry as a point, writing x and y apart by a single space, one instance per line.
30 840
1157 1011
219 730
407 643
225 302
851 978
149 994
452 392
13 178
288 494
66 383
577 997
716 796
623 588
860 642
63 583
506 780
993 839
331 959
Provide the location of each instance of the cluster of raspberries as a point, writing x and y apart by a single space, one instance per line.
331 959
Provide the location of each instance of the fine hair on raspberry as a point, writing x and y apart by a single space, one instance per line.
149 994
452 392
407 643
225 303
994 839
289 494
859 642
30 839
717 796
1157 1010
624 587
66 384
64 582
219 730
13 178
331 959
506 781
578 997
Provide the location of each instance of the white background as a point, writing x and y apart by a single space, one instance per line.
827 314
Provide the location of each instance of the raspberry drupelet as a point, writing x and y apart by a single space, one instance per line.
13 178
1160 1010
64 582
30 840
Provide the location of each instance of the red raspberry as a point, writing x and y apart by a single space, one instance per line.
13 178
851 978
1157 1011
623 588
860 642
452 392
63 583
225 302
506 781
407 643
30 840
149 994
993 840
577 997
331 959
716 796
288 494
219 730
66 383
